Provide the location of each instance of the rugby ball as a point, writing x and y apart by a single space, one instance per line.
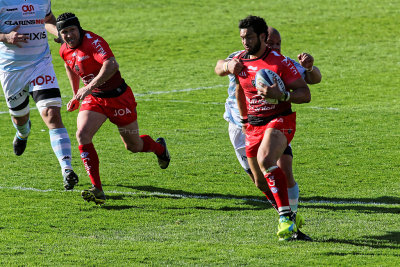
266 76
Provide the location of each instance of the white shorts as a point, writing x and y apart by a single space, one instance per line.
40 81
238 140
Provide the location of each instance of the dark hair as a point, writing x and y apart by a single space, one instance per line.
257 23
67 19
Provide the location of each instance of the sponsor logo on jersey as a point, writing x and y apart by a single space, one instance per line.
251 68
24 22
11 9
82 58
87 79
99 48
36 36
28 10
243 74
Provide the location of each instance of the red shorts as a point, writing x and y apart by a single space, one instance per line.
255 134
119 110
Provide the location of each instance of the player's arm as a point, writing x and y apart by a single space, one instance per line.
13 37
300 93
73 78
74 81
50 24
228 66
241 102
108 69
312 74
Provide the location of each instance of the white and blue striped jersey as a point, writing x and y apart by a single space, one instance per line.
232 114
30 16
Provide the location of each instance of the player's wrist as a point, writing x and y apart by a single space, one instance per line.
310 69
225 66
285 96
244 119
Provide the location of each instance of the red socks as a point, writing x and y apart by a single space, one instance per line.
271 199
149 145
277 183
91 163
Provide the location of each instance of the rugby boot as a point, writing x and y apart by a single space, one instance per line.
298 219
164 158
301 236
19 145
70 179
286 228
94 194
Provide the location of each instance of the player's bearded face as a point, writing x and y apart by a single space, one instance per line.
255 48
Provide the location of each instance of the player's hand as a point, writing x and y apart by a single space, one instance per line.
244 127
72 105
15 38
306 60
59 39
272 91
83 92
235 66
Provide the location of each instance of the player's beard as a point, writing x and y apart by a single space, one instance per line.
255 48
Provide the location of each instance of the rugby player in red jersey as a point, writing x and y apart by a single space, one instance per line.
269 127
105 95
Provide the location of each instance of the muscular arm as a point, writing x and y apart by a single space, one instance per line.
241 100
73 79
109 68
50 24
300 93
314 76
233 66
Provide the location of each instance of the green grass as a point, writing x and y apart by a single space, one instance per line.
203 210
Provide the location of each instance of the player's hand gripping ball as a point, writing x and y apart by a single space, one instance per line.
266 76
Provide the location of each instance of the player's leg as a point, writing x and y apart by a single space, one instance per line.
46 94
285 162
271 148
88 123
144 143
16 93
261 182
238 140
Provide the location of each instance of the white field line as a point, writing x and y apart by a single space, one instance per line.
194 196
180 101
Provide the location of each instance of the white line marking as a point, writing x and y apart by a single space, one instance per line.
183 196
179 90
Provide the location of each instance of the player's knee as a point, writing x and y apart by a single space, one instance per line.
52 117
83 137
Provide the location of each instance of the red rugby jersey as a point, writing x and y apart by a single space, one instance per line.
87 59
272 60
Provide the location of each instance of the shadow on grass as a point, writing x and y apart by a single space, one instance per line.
366 205
257 203
390 240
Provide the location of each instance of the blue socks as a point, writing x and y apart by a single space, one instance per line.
293 194
23 130
61 145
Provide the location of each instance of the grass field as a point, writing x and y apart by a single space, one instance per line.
203 210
